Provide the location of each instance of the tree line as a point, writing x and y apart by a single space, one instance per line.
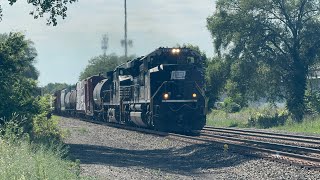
263 49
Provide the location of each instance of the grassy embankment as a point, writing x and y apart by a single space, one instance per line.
219 118
43 157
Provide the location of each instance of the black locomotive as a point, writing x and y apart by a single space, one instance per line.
163 90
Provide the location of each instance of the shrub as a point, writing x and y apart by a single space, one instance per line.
312 101
41 158
12 129
24 160
267 120
230 106
42 125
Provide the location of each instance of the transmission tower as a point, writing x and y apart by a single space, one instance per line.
125 42
104 44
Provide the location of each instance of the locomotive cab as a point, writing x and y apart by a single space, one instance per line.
176 79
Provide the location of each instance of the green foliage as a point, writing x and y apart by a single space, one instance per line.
18 76
42 126
230 106
24 160
195 48
102 64
221 118
268 119
264 117
310 125
270 45
217 73
313 101
12 129
51 88
43 156
55 8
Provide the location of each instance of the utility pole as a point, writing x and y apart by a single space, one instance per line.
125 42
104 44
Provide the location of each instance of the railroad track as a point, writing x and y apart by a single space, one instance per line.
314 140
295 149
236 140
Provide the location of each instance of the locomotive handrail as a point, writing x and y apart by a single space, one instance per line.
200 90
158 89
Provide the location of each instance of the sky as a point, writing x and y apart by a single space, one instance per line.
64 50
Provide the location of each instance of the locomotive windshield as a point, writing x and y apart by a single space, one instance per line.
175 56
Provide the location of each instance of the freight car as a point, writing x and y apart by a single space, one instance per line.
163 90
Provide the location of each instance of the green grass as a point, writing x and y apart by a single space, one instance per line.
39 154
308 126
219 118
24 160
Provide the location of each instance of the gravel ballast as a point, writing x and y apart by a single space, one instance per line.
111 153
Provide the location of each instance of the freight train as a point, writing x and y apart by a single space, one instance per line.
163 90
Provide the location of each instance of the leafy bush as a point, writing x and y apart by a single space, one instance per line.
42 157
42 125
12 129
231 106
268 119
24 160
312 102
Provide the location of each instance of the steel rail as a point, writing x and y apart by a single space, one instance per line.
272 152
263 135
299 148
262 132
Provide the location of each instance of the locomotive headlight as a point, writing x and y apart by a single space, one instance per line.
165 96
175 51
194 95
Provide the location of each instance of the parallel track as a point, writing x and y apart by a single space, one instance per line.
263 134
286 147
297 155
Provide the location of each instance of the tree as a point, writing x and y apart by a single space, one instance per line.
55 8
17 79
217 73
51 88
280 38
102 64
